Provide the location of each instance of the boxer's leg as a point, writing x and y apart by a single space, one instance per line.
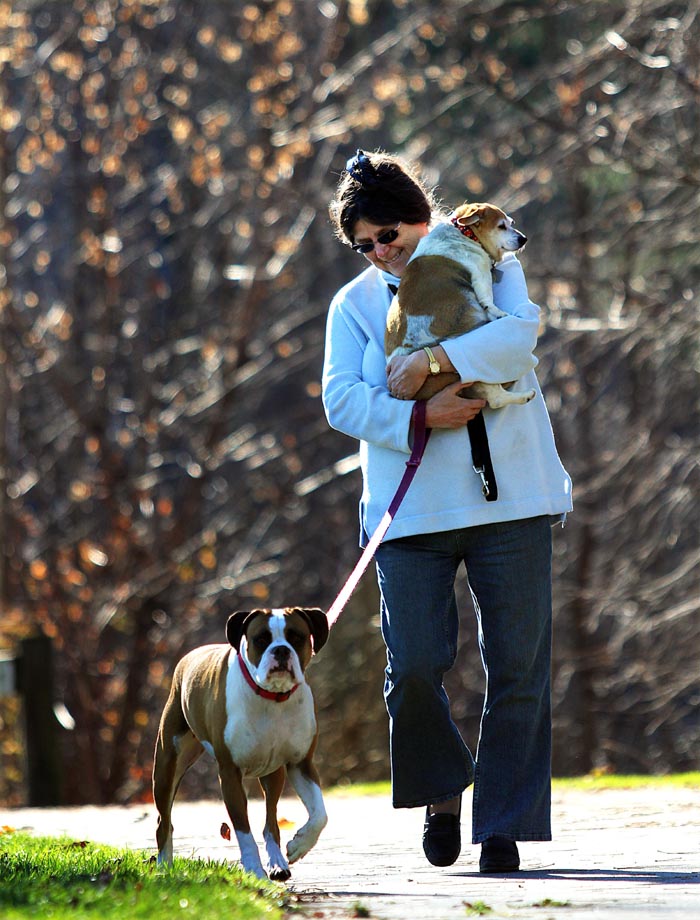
176 750
307 784
277 865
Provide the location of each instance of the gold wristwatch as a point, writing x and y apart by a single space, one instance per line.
434 363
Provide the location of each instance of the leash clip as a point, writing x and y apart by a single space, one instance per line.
481 473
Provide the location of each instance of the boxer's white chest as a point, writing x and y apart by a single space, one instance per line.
263 735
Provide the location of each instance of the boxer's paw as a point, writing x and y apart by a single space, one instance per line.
303 841
165 856
277 865
297 847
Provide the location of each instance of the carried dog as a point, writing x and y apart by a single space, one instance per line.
248 704
446 290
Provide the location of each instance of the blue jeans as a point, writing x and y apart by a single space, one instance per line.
509 571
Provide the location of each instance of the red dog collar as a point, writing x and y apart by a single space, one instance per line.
265 694
465 231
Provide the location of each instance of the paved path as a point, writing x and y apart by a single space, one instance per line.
623 855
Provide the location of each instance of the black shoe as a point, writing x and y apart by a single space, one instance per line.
442 841
498 854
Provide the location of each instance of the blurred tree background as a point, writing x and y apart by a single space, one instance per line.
166 265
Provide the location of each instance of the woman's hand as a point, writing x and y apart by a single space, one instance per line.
406 374
447 409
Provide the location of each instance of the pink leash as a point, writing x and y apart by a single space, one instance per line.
420 439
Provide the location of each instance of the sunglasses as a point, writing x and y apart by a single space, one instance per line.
383 238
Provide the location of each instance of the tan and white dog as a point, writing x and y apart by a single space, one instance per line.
247 704
446 290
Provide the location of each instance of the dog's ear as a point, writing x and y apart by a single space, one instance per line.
469 220
318 624
236 626
470 214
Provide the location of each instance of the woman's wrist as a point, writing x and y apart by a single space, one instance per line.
443 359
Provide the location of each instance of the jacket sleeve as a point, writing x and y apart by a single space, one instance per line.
501 350
353 405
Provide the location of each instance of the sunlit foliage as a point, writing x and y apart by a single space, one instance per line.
166 266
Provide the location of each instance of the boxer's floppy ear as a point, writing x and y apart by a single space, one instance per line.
318 624
236 626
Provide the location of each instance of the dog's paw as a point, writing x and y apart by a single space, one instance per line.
300 845
498 398
277 867
296 849
165 856
493 312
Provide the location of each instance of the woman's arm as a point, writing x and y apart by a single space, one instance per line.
352 405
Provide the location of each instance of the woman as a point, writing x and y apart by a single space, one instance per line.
382 209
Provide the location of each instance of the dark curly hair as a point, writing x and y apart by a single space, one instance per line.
382 189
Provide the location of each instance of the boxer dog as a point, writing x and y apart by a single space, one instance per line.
446 290
247 704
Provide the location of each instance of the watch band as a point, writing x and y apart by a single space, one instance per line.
434 364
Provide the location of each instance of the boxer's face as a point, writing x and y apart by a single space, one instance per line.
277 648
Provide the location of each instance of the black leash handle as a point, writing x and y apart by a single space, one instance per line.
481 457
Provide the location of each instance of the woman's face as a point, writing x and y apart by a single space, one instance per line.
391 257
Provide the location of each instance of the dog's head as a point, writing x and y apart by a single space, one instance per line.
277 645
492 227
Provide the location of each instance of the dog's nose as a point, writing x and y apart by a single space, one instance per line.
282 654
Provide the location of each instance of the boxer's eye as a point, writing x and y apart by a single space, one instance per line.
295 639
261 642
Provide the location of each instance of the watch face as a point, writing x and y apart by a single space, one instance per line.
433 363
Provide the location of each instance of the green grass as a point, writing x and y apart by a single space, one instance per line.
615 781
63 879
477 908
592 781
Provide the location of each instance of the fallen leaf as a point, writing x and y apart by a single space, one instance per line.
225 831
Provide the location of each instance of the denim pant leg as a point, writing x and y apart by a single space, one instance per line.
509 569
429 760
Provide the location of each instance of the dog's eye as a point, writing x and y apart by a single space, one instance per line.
261 642
295 638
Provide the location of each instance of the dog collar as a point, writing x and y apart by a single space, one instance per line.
469 233
465 231
265 694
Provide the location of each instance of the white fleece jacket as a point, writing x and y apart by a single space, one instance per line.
446 493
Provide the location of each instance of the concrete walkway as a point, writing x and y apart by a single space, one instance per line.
623 855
